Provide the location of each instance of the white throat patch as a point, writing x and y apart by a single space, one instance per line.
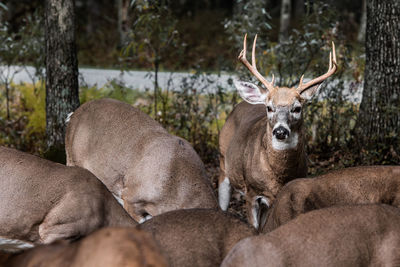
289 143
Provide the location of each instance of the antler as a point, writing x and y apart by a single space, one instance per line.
253 68
320 79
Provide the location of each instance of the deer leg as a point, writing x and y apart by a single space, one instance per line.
224 186
71 218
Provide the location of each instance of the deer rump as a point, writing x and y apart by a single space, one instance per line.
150 170
349 186
43 201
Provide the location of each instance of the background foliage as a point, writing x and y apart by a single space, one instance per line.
203 40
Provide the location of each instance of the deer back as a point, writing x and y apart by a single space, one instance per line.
149 169
359 235
197 237
356 185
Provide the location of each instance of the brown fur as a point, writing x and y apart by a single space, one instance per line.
365 235
125 247
42 201
247 158
357 185
137 159
197 237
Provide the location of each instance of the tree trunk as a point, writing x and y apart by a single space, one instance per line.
363 23
156 67
379 117
62 91
7 99
299 12
286 10
123 8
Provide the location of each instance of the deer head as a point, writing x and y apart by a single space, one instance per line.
284 105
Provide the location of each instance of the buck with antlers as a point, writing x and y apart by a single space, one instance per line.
262 141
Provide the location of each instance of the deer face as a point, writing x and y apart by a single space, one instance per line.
284 105
284 108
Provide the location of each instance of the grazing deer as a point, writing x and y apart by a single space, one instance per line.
197 237
42 201
262 141
150 170
108 247
359 235
357 185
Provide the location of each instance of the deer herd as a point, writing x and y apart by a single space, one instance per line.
134 195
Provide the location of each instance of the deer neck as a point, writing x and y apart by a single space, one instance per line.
286 160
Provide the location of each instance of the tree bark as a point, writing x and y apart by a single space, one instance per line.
286 10
379 117
62 90
156 68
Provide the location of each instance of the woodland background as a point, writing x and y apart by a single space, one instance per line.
205 37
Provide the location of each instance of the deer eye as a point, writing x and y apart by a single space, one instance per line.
296 110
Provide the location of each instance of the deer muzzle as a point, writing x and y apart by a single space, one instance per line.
281 133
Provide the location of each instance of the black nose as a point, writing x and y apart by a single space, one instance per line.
281 133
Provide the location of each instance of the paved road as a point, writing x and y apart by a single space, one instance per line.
134 79
142 80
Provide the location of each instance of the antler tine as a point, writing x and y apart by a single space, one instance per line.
301 80
243 53
253 53
253 68
332 69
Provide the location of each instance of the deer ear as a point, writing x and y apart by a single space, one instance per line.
251 93
309 93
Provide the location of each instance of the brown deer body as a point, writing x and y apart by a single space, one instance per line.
356 185
108 247
197 237
359 235
137 159
42 201
262 144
